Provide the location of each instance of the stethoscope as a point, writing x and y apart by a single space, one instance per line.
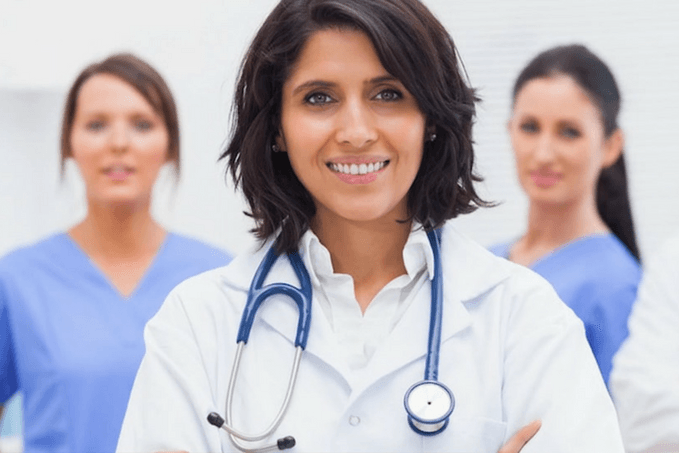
428 402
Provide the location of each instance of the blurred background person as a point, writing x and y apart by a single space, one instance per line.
569 160
73 306
645 376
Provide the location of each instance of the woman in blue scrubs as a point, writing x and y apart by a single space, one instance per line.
73 306
568 149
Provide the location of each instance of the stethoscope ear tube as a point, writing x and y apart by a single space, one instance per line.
301 296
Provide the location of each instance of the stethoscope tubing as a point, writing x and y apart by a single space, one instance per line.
302 297
431 367
258 294
237 436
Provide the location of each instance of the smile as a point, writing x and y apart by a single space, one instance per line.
357 169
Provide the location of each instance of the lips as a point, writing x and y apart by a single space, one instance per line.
357 171
118 172
545 178
357 168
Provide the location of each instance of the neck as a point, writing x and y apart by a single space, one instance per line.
551 226
371 252
118 232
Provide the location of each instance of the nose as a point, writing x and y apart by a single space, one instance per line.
544 148
356 125
119 138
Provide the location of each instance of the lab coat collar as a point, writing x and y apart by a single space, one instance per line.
469 271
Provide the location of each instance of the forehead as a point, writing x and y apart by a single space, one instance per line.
336 54
109 93
557 97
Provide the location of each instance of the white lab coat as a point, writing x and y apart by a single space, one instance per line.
645 377
511 352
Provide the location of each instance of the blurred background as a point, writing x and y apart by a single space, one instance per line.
197 47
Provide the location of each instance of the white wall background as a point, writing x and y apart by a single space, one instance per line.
197 46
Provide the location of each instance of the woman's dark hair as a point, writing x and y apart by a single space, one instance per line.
144 79
413 47
594 77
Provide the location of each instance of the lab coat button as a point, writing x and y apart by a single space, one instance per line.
354 420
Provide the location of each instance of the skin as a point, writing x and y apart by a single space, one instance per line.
119 144
560 149
340 106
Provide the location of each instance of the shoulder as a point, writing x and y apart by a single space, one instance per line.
478 275
219 287
501 249
591 268
43 252
667 257
192 252
603 255
609 268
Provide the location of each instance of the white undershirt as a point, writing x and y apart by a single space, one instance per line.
360 334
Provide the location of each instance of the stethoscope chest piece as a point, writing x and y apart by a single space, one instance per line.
429 405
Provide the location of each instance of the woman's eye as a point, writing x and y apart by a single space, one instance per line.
143 125
318 99
570 132
529 127
388 95
95 126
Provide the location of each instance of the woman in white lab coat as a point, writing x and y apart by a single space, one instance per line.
645 377
352 140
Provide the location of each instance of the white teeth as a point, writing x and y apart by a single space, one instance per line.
357 169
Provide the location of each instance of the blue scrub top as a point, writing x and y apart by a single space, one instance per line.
72 344
597 277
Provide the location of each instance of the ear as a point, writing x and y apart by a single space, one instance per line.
613 148
280 142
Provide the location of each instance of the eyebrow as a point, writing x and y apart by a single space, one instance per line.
326 84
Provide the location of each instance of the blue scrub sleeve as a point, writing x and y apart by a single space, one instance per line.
8 375
606 326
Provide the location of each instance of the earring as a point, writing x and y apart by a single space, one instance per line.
432 137
275 148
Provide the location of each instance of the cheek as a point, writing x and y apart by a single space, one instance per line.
520 149
85 146
156 149
587 160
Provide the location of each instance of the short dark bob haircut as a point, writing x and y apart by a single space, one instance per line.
414 47
143 78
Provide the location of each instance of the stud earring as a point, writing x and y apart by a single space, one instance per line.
275 148
432 137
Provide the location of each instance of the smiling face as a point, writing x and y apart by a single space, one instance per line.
353 133
559 143
118 141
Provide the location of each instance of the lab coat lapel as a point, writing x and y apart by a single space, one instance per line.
408 341
468 271
281 314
